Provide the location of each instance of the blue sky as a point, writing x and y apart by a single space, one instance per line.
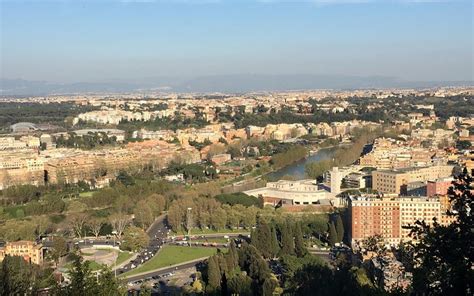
95 41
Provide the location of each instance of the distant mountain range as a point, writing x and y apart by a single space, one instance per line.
219 83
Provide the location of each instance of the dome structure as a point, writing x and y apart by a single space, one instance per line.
22 127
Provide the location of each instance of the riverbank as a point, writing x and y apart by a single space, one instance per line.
297 169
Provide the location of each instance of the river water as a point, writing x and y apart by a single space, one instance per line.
296 170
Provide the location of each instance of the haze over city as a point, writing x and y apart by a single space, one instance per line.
225 45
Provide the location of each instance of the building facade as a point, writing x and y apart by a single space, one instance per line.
387 216
395 181
30 251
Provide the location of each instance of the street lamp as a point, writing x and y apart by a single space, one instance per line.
189 222
115 262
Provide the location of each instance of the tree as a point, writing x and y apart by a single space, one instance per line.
261 238
443 256
59 248
119 222
287 243
240 284
124 178
274 245
463 145
15 276
134 239
82 280
197 286
95 224
300 249
157 203
339 229
233 256
108 284
218 218
249 217
213 274
76 206
332 234
78 221
269 286
143 214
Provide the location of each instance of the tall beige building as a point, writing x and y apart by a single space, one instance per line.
394 181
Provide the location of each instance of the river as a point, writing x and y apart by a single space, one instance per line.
296 170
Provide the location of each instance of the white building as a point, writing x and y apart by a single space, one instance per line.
302 192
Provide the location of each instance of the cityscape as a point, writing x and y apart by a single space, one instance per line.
172 175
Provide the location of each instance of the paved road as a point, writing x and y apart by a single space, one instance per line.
157 233
165 270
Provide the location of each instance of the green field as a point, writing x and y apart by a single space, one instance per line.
86 194
92 265
171 255
122 257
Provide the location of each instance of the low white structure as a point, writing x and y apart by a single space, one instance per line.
302 192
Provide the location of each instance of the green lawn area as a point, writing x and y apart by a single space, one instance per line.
86 194
171 255
122 257
92 265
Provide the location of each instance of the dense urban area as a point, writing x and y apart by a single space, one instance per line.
324 192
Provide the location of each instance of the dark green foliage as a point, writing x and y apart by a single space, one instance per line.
269 286
287 242
463 145
84 282
213 274
124 178
89 141
300 249
240 285
238 198
444 254
262 239
233 256
339 228
332 234
174 123
53 113
15 276
291 264
59 248
274 245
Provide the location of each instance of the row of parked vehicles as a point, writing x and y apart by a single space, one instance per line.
151 278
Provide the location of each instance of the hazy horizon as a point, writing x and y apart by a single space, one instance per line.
140 41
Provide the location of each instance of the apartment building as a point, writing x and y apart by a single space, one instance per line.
438 187
387 216
30 251
18 168
395 181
